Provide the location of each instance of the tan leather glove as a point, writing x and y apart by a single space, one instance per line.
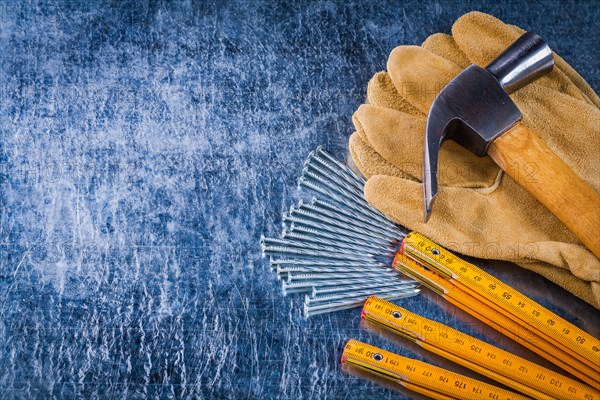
479 211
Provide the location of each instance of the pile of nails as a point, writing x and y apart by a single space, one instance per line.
337 250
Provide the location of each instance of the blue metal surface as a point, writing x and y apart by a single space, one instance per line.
144 148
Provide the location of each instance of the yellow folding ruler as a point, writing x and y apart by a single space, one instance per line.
501 307
419 376
503 367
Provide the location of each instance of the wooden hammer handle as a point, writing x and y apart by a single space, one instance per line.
523 156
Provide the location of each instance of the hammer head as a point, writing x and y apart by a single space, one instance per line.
475 107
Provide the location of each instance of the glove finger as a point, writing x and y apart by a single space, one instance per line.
368 161
382 92
483 37
398 137
356 153
527 233
419 75
360 131
444 46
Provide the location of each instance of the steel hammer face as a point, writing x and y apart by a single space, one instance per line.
475 107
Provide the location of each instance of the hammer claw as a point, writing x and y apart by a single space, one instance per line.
430 166
475 108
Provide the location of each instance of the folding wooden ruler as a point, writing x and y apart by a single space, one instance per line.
506 368
420 377
501 307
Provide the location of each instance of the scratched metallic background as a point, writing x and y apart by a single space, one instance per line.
144 148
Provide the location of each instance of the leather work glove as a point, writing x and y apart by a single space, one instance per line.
479 211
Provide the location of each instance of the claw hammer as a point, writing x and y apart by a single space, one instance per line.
476 111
